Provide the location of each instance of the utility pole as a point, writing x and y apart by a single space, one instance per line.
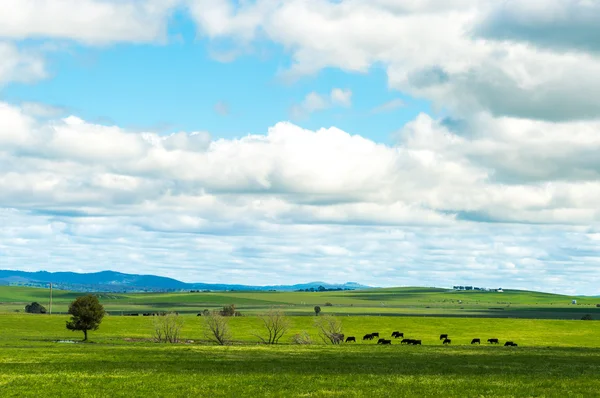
50 298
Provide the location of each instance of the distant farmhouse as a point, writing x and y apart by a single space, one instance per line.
480 289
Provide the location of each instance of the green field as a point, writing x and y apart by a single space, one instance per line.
396 301
554 358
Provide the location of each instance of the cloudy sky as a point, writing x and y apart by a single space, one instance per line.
385 142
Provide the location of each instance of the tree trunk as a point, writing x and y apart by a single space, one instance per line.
84 335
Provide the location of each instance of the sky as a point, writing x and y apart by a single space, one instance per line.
384 142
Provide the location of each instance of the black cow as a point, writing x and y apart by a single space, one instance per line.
406 341
350 338
416 342
443 336
447 341
384 341
475 341
394 333
376 334
509 344
397 334
367 337
493 341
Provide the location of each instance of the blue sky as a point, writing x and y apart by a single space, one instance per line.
284 141
177 86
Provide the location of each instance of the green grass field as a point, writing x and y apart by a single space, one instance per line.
554 358
396 301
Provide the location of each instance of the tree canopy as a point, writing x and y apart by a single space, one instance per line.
35 308
86 314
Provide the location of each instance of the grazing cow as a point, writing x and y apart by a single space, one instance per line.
416 342
376 334
384 342
397 335
509 344
406 341
350 338
199 314
447 341
475 341
443 336
394 333
493 341
367 337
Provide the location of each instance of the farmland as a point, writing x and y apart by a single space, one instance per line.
384 302
555 357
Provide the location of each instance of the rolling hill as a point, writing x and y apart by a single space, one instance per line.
110 281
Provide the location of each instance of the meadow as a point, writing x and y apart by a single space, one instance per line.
555 357
386 302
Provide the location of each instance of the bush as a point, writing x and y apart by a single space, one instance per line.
216 328
329 329
302 338
229 310
587 317
317 310
35 308
328 304
598 305
167 328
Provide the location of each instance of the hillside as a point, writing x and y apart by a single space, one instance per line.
110 281
371 302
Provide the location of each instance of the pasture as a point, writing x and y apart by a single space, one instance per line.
554 358
384 302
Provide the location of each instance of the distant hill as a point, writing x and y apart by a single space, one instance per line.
110 281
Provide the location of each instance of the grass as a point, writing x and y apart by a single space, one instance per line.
396 301
555 358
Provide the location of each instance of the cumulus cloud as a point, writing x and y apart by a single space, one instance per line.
449 64
20 65
314 102
87 21
306 201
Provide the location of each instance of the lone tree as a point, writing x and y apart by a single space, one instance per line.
86 314
216 328
276 325
35 308
167 328
317 310
329 329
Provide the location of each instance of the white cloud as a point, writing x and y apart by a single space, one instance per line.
389 106
434 52
20 65
314 102
88 21
306 202
341 97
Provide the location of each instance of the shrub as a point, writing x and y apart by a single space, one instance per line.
302 338
317 310
587 317
328 304
276 325
216 328
35 308
167 328
329 329
229 310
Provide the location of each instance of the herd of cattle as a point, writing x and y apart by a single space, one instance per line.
396 335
